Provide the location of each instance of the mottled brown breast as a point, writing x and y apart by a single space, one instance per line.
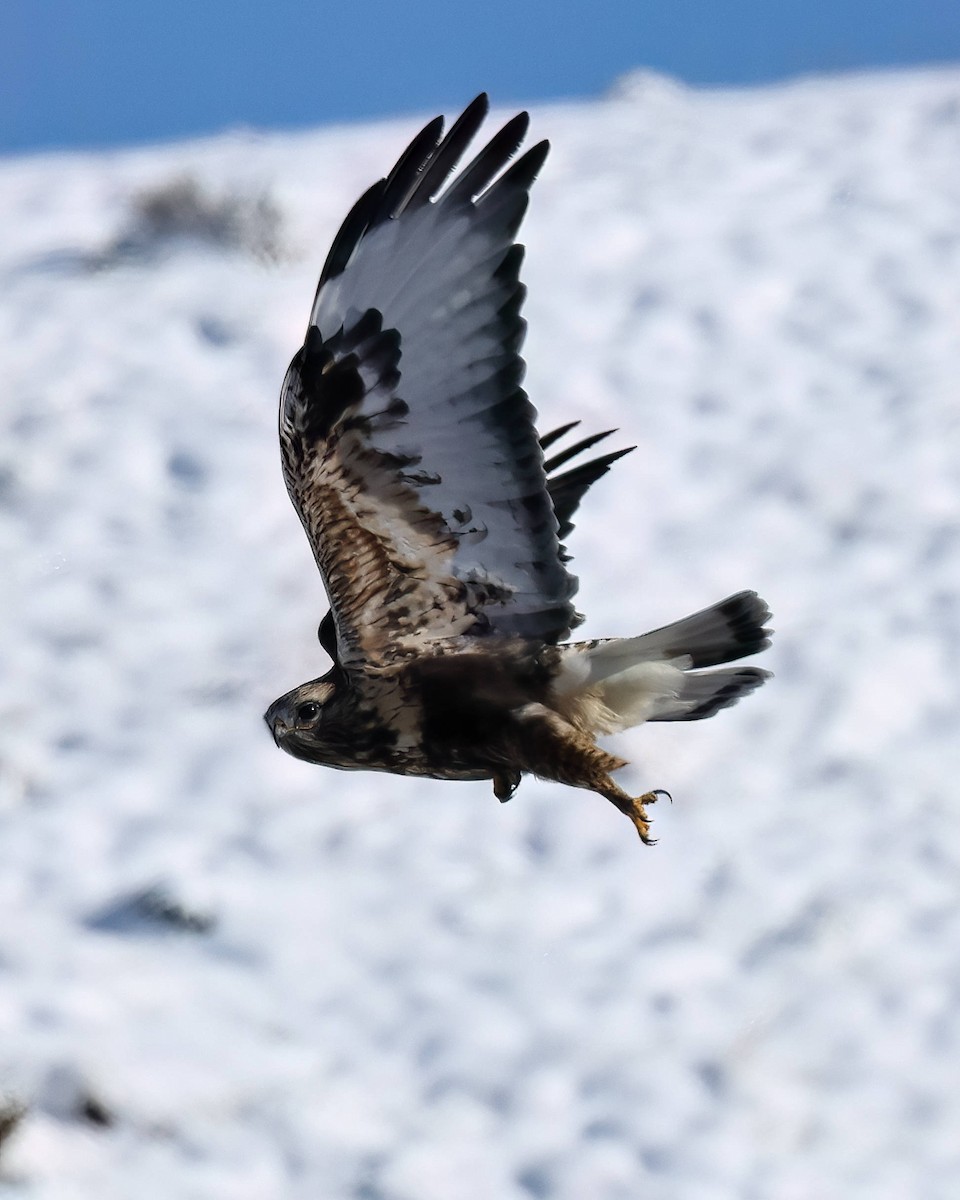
468 700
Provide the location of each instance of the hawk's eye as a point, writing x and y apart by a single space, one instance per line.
308 712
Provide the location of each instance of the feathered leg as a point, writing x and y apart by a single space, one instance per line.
552 748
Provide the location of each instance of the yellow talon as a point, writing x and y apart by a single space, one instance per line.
638 815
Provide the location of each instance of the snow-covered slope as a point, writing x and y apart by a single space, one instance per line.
377 989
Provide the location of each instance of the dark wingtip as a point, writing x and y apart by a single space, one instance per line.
525 170
577 448
567 490
547 440
478 175
480 103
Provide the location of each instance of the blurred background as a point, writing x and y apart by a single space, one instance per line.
101 72
228 975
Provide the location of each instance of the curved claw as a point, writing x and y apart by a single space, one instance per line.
654 796
639 817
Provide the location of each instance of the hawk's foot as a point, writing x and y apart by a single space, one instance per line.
638 814
505 783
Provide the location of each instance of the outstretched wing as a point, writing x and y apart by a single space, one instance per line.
566 490
409 447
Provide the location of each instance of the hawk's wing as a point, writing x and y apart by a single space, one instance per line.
409 447
566 490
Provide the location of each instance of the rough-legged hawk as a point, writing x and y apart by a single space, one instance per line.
410 454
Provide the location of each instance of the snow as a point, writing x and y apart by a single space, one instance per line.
224 973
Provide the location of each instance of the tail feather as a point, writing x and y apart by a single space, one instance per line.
722 633
611 685
703 694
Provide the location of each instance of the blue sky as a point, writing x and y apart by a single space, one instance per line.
103 72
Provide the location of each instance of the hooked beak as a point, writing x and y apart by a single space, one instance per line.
278 727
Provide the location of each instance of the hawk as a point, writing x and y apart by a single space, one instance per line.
411 456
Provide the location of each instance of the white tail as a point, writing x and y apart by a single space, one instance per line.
611 685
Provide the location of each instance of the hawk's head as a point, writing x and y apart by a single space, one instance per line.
298 719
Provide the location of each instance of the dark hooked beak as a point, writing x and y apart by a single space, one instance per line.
278 727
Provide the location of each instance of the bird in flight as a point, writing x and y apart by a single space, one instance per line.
436 513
